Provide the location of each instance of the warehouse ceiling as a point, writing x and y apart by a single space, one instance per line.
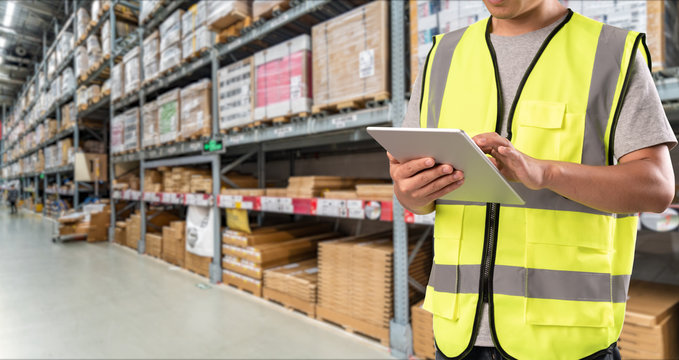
22 25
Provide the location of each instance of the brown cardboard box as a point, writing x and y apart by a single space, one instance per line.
174 246
266 253
120 235
351 56
423 332
298 280
198 264
91 167
274 234
196 119
154 244
99 223
651 324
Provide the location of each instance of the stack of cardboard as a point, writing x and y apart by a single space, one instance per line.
168 116
180 179
117 82
355 281
133 230
222 14
150 124
351 56
131 129
153 180
173 245
171 41
298 280
151 56
423 332
651 324
249 254
120 235
129 181
244 192
98 225
196 119
236 94
132 71
314 186
197 264
277 192
340 194
379 192
201 183
154 244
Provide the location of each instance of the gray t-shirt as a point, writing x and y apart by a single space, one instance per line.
642 121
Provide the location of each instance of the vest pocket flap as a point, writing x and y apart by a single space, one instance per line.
542 114
441 304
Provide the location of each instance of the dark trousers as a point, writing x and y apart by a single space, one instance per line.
490 353
13 205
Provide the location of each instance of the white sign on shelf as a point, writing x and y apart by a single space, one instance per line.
331 207
135 195
198 199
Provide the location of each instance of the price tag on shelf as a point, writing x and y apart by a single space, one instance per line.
135 195
117 194
149 196
198 199
270 204
226 201
127 195
331 207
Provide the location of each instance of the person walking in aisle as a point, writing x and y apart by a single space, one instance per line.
568 111
12 196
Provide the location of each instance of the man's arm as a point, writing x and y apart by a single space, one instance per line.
642 181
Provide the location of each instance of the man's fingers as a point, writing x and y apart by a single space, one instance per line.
439 184
392 159
413 167
447 189
424 178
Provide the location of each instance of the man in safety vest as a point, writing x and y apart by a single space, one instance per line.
567 108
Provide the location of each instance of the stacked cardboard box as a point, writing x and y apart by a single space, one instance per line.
298 280
154 244
222 14
377 192
94 53
67 118
81 61
153 180
117 129
174 246
249 254
194 17
197 264
150 121
98 224
314 186
651 324
351 56
122 30
171 41
151 59
355 281
132 67
131 129
264 8
244 192
133 230
283 79
117 82
423 332
201 183
196 37
236 94
93 93
120 234
241 180
81 95
168 116
196 119
179 179
129 181
82 20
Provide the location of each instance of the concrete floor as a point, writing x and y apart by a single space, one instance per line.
80 300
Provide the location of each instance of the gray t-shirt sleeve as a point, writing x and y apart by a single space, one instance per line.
412 118
642 121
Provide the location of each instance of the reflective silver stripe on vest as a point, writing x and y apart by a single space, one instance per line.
533 283
605 73
440 66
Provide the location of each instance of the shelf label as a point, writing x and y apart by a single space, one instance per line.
198 199
343 121
283 130
135 195
331 207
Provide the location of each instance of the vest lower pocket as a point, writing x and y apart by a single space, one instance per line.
569 313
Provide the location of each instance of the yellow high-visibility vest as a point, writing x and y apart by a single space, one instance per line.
554 272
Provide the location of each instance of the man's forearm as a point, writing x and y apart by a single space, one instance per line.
634 186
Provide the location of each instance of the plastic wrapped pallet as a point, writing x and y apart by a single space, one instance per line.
150 123
122 30
81 97
131 130
170 57
196 119
93 59
194 17
64 45
151 55
51 65
168 116
132 70
94 10
195 42
283 79
351 56
146 10
82 21
261 7
81 61
106 88
117 82
67 81
93 45
94 93
171 30
221 14
236 95
117 129
67 117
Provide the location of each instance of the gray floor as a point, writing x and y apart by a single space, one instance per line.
82 300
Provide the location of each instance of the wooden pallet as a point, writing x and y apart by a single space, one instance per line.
242 285
82 107
275 10
95 100
226 21
288 118
354 326
168 71
194 55
353 104
290 302
233 31
106 92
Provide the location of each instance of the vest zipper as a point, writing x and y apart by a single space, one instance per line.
492 217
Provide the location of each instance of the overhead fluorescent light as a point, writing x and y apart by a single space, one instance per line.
9 12
3 42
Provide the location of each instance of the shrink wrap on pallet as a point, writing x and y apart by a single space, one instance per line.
64 45
222 14
283 79
171 30
117 129
117 81
351 56
259 7
94 10
81 61
93 92
236 94
194 17
51 64
151 59
146 9
171 57
196 119
150 122
132 69
81 96
82 19
93 45
196 41
168 116
131 130
67 81
199 230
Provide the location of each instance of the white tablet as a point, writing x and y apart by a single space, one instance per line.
483 182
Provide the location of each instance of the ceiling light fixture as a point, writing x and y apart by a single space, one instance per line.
9 12
3 42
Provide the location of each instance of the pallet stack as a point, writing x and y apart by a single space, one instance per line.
246 256
236 95
133 230
423 332
173 244
132 67
228 18
131 130
150 124
151 59
314 186
153 181
196 37
196 114
356 282
154 244
171 42
266 9
168 116
293 286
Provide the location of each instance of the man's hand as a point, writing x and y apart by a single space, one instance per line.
417 183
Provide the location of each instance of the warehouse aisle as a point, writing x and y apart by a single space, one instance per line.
82 300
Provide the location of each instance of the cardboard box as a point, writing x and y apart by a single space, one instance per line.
99 223
283 79
119 235
91 167
171 30
174 246
117 130
131 130
154 244
242 282
195 42
168 116
423 332
194 17
151 60
196 119
291 250
222 14
351 56
274 234
236 94
298 279
117 81
132 67
198 264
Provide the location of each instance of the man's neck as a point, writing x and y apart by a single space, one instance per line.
533 19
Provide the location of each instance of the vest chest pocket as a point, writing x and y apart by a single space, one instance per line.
545 131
